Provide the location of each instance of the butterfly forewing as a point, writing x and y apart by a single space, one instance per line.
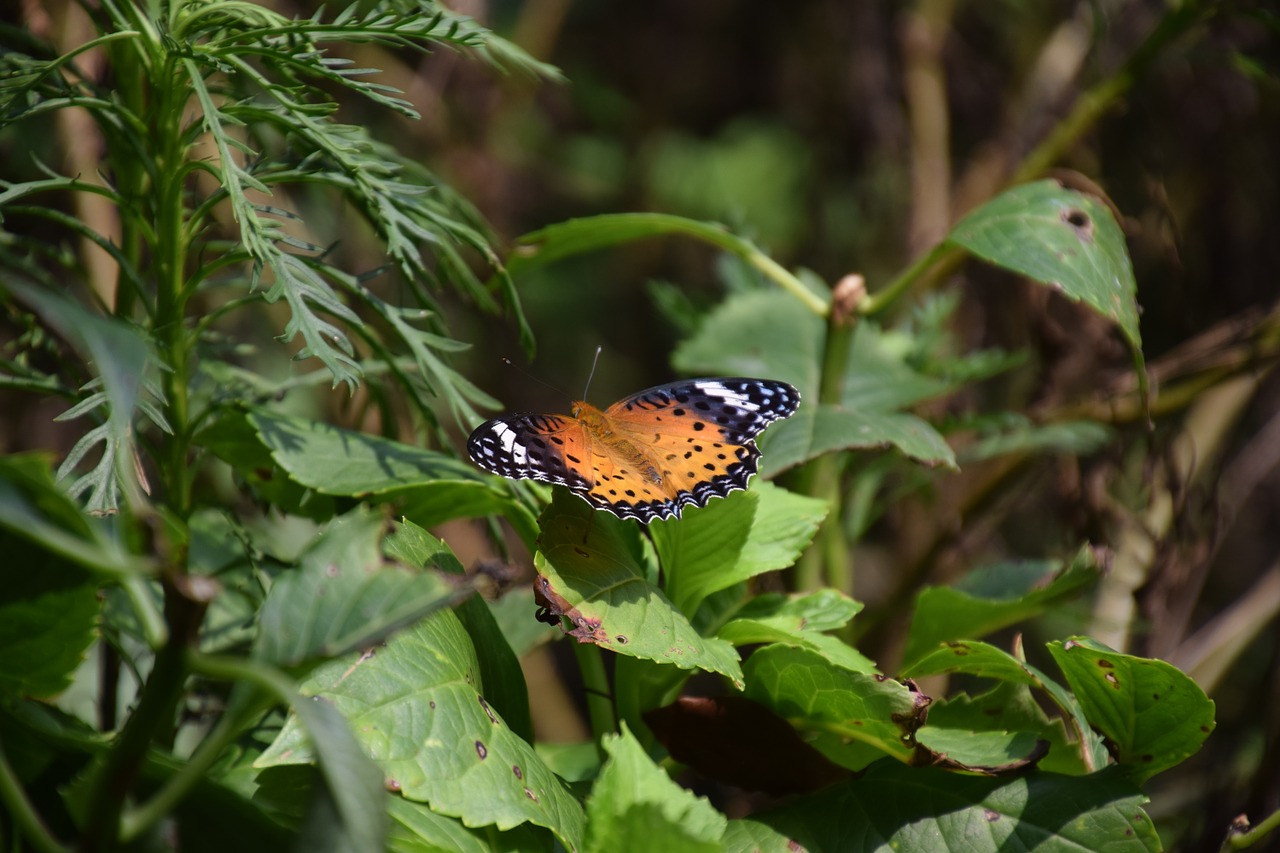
550 448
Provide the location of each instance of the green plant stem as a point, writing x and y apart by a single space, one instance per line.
831 563
113 780
25 818
596 686
1255 833
137 821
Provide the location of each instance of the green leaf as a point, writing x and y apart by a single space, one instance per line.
432 487
819 429
417 829
504 682
344 596
418 708
892 807
732 540
48 603
799 620
1014 592
35 508
764 333
347 810
594 569
973 657
121 357
635 806
1151 713
760 333
853 718
566 239
1062 238
963 727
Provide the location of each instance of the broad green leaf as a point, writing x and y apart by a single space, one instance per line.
341 462
505 686
998 596
764 333
972 657
48 601
35 508
594 569
635 806
432 486
760 333
732 540
854 718
818 429
799 620
575 236
1152 714
344 596
347 810
417 706
1009 710
1062 238
892 807
417 829
877 375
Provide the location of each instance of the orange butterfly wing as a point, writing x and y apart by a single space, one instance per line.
647 456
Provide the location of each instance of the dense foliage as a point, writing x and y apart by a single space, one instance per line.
252 594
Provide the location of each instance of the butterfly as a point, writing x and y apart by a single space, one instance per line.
647 456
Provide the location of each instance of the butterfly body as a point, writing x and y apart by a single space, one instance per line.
646 456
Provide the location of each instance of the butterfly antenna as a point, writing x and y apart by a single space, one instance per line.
592 374
527 375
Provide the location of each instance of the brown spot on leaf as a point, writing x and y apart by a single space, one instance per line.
481 750
1106 664
552 605
1081 221
991 816
487 710
392 785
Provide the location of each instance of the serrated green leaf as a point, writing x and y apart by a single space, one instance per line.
635 806
732 540
417 706
595 570
853 718
1062 238
892 808
344 596
799 620
1028 589
121 357
1152 714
